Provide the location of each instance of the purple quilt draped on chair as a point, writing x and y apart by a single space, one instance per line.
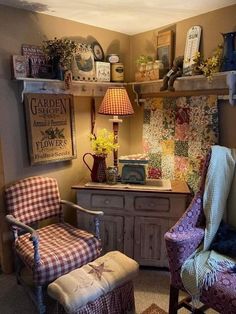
181 241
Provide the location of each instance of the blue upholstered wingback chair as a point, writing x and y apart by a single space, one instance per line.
55 249
181 241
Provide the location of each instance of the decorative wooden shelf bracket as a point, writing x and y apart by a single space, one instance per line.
223 84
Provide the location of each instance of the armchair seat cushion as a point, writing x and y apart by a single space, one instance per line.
62 248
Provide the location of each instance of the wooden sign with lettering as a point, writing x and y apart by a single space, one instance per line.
50 127
37 65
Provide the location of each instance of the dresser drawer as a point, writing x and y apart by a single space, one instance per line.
157 204
107 201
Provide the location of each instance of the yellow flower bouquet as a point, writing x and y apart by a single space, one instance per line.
103 142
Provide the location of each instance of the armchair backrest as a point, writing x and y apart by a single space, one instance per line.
33 199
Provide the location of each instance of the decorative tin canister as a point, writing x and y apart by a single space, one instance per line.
117 72
111 175
113 58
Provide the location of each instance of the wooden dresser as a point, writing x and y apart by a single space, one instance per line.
135 218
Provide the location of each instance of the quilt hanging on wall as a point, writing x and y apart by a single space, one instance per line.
177 133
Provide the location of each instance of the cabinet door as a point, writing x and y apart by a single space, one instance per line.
111 232
149 245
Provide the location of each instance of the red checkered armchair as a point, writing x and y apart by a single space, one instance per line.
53 250
181 241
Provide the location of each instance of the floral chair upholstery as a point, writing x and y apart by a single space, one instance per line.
181 241
55 249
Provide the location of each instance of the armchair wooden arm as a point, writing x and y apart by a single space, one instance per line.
34 235
97 214
77 207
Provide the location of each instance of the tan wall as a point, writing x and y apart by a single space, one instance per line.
213 24
18 27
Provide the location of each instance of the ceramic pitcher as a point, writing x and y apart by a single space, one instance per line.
98 171
229 53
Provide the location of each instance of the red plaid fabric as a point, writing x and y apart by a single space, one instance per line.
116 102
62 248
33 199
119 300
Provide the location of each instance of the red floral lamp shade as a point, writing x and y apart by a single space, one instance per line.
116 102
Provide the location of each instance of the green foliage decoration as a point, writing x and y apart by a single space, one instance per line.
143 59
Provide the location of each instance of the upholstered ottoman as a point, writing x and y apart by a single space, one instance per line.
102 286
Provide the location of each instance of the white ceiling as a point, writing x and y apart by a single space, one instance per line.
125 16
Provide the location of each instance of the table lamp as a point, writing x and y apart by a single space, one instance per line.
116 103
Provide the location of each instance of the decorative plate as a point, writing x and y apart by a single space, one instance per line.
83 67
97 51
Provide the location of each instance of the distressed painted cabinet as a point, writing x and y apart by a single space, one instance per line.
135 221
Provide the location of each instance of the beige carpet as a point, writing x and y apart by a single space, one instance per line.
150 287
154 309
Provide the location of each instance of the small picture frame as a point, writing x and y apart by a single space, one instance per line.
103 72
50 127
19 66
165 49
83 66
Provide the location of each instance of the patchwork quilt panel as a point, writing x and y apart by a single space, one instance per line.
177 133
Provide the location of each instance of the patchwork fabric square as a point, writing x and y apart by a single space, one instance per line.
177 133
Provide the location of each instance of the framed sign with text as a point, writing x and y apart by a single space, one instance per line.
165 49
50 127
191 48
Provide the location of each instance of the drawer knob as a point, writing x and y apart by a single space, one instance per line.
107 202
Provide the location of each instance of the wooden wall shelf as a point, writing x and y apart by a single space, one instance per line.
223 84
78 88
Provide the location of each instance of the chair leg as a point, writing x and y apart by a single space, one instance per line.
18 267
39 298
173 300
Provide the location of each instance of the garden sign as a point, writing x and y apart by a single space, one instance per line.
50 127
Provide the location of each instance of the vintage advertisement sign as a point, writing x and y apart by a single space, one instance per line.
50 127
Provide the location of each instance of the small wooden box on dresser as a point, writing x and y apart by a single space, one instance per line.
135 220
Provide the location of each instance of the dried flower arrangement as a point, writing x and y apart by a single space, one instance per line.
103 143
209 66
60 49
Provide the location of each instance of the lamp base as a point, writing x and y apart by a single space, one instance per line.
115 120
